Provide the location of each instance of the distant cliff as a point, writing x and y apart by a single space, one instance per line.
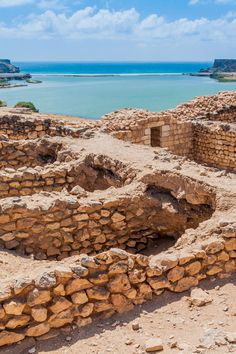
7 67
225 65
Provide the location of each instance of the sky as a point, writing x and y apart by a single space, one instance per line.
111 30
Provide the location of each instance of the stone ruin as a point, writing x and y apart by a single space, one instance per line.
99 216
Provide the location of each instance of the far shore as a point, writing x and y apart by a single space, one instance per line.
110 75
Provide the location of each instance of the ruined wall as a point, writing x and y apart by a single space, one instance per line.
21 124
215 145
17 129
174 135
18 154
227 115
94 172
62 225
114 281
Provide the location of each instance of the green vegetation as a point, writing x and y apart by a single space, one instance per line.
2 103
30 81
221 77
28 105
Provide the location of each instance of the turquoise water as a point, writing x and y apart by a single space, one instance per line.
110 68
95 96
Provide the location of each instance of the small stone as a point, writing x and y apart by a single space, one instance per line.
32 350
68 338
231 337
173 344
129 342
199 297
135 326
153 345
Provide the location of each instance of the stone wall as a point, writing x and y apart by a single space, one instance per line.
17 154
95 172
16 128
55 225
174 135
91 288
22 124
215 145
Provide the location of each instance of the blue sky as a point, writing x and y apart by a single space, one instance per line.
153 30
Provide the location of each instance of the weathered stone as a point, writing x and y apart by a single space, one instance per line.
39 313
61 319
214 247
60 304
137 276
79 298
38 330
76 285
86 310
118 268
119 283
99 278
121 303
198 297
14 307
59 290
46 280
38 297
214 270
102 306
175 274
185 284
98 293
18 321
154 345
230 245
117 217
7 338
157 283
230 266
231 337
80 271
193 268
82 322
2 312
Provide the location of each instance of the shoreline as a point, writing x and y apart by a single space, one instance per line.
111 75
12 86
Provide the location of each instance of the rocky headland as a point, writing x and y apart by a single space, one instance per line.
223 70
9 72
7 67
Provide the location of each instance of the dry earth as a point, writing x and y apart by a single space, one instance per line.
189 329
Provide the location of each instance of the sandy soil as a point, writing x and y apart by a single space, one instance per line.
169 317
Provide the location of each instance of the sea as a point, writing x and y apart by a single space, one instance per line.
90 90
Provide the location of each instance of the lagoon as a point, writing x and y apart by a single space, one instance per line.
153 86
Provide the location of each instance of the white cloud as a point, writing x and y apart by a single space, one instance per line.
122 25
12 3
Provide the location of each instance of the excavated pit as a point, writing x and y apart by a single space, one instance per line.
72 222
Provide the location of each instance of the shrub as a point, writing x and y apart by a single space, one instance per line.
28 105
2 103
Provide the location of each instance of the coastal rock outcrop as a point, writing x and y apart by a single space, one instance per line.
7 67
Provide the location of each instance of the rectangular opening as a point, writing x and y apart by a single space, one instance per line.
156 136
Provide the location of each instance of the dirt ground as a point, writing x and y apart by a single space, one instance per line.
189 329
